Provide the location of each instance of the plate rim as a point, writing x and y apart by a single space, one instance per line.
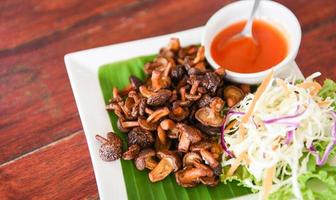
83 66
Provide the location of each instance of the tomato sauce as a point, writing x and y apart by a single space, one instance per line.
244 55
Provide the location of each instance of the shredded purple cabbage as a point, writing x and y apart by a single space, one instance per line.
321 161
289 136
279 119
223 143
235 112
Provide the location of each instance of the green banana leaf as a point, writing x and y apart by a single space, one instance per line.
138 185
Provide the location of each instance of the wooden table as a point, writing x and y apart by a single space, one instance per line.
43 151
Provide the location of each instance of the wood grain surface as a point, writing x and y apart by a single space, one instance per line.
43 153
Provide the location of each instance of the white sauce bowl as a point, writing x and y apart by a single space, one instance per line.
272 12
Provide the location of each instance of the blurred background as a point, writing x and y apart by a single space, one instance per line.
43 152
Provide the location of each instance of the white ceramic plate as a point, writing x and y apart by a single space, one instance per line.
83 68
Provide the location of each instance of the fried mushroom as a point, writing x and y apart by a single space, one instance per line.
155 98
145 159
211 116
141 137
132 152
190 176
233 95
124 126
187 135
111 147
170 162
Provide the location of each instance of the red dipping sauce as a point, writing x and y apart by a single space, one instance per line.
243 55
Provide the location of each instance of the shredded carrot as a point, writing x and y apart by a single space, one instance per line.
314 87
324 103
267 183
283 85
260 90
235 165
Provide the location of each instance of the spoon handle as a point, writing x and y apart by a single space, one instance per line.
247 31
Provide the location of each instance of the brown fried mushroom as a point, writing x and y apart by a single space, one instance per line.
141 137
162 142
246 88
159 64
131 152
174 44
179 111
233 95
111 148
155 98
115 107
143 123
208 158
170 126
211 82
210 181
187 135
170 162
194 95
195 160
200 55
158 114
211 161
161 80
190 176
211 116
124 126
216 150
204 144
145 159
135 82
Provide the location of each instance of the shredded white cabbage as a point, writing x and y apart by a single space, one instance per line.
286 121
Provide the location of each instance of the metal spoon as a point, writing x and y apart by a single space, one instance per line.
247 31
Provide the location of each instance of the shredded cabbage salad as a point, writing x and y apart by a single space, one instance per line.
274 133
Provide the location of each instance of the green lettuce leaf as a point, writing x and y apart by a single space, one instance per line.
319 183
329 90
240 176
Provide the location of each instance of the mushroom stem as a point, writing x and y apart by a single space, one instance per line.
143 123
156 78
129 124
101 139
174 44
163 169
200 55
184 143
167 70
149 111
207 156
158 114
144 91
194 87
183 93
162 135
173 96
150 163
220 71
167 124
217 104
